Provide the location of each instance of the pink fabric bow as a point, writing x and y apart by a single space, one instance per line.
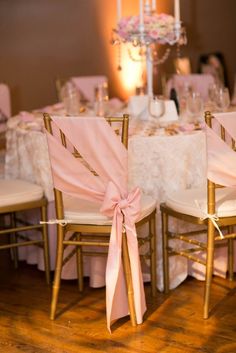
125 212
102 149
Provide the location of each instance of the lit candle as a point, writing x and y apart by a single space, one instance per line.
141 23
154 7
177 11
118 10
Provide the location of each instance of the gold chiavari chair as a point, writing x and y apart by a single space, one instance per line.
219 214
90 228
21 196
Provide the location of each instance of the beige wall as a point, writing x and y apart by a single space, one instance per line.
43 39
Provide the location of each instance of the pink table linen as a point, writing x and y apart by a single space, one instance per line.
102 150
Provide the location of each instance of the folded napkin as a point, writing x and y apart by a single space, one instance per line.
137 106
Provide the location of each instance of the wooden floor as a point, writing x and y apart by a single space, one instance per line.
172 323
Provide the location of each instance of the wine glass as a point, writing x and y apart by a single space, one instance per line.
156 106
194 107
71 99
222 99
101 99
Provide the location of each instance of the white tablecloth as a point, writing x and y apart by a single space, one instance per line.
158 163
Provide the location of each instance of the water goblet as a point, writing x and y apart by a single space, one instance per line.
101 99
71 99
156 107
222 99
194 107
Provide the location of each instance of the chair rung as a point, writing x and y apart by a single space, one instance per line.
188 256
189 241
84 243
69 256
23 243
19 229
188 234
142 241
90 253
226 236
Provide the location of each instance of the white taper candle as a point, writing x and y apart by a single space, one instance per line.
118 8
141 22
177 11
154 5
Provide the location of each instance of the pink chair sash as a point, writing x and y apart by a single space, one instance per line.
199 82
102 149
221 159
5 101
86 85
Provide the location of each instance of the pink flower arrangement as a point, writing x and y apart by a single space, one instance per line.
157 28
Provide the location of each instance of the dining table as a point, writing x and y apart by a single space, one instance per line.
163 158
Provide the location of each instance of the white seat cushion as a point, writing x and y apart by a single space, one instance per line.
86 212
193 202
15 191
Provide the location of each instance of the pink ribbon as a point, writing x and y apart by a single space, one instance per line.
125 212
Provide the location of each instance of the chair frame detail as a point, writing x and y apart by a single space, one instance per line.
97 235
17 226
213 238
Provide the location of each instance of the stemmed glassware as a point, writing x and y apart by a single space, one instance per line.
222 99
101 99
194 107
156 107
71 98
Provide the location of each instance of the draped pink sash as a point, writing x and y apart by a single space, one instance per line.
221 159
102 149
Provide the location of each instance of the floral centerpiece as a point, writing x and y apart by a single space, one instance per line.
158 28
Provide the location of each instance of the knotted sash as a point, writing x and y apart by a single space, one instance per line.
103 151
221 159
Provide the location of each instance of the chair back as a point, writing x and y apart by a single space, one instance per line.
118 124
198 82
221 156
90 163
5 111
87 85
5 100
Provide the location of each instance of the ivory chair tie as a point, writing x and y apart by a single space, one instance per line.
102 180
215 208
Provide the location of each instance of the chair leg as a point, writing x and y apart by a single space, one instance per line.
231 255
58 269
152 234
79 258
45 243
128 277
13 239
164 218
209 268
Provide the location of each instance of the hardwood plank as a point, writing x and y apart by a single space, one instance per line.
173 323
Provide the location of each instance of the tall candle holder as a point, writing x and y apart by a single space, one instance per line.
145 31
